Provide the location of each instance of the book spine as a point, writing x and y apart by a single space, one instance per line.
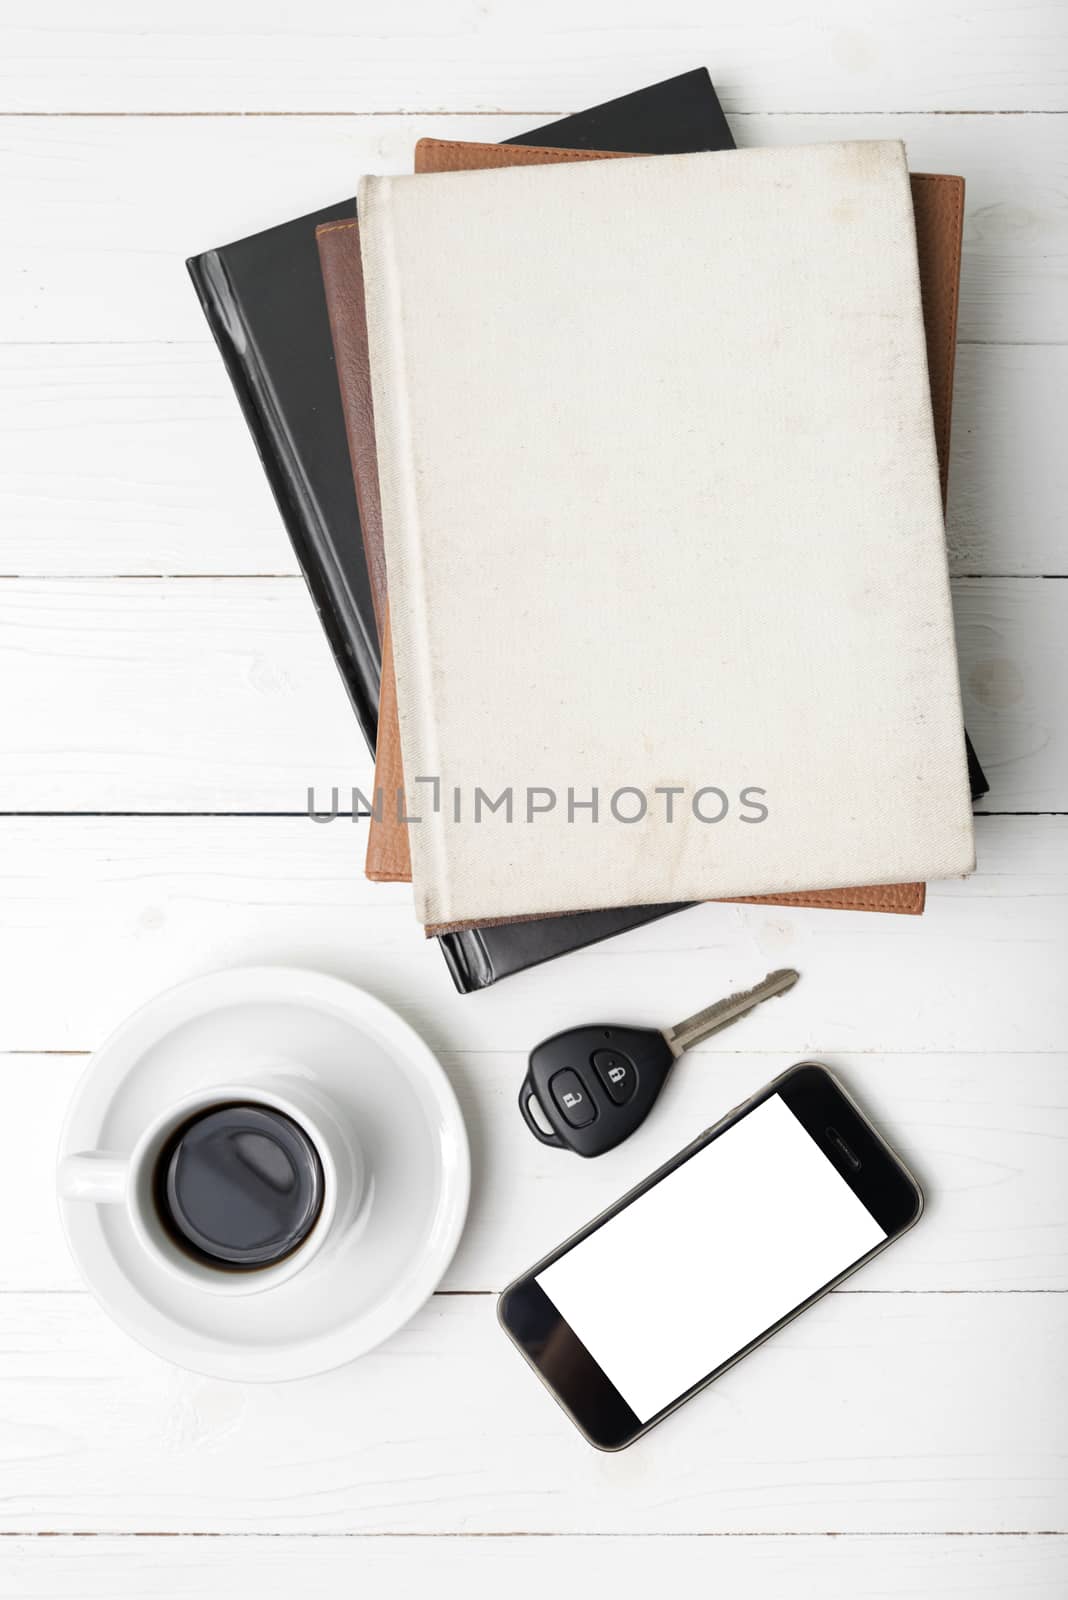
355 654
404 554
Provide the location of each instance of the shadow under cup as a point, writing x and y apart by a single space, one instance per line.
238 1186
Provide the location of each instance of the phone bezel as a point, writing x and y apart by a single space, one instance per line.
567 1369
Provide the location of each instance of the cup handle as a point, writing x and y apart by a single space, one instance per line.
94 1175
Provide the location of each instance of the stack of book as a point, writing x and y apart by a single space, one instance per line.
615 460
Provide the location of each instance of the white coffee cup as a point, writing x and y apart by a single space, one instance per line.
111 1178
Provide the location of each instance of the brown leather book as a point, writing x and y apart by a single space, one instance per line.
938 205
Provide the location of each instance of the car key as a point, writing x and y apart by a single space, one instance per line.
595 1085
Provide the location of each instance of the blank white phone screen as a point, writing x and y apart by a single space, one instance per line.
709 1258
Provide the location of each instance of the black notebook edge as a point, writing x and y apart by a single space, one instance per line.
976 776
357 654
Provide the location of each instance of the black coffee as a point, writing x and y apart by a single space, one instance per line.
239 1186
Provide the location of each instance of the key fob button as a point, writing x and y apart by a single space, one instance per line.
572 1098
618 1074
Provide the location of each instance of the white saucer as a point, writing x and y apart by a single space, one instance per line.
378 1072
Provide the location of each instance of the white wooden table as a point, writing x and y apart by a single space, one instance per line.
168 698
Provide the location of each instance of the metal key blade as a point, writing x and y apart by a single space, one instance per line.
724 1012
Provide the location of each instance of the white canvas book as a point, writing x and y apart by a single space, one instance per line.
663 530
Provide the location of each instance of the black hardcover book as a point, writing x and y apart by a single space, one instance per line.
263 299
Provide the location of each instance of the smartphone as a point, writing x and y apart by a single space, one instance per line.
752 1223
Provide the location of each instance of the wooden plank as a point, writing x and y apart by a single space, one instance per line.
1014 673
985 1134
846 1567
98 914
332 56
135 459
1008 480
115 212
873 1413
221 695
130 459
172 695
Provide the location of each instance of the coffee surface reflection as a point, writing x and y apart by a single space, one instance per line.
239 1186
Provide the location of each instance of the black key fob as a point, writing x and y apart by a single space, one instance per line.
594 1085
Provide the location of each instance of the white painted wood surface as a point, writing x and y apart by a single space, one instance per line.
838 1567
463 56
115 212
869 1417
158 655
